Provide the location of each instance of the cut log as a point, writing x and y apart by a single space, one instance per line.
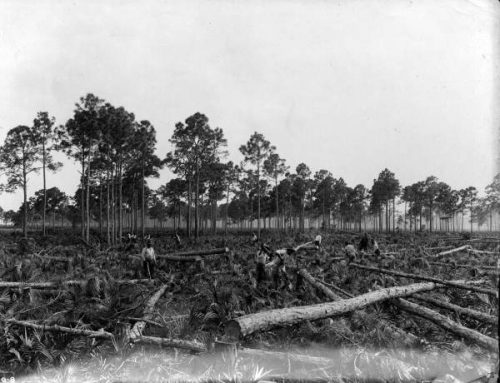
201 253
55 259
394 330
136 331
453 251
325 290
439 248
52 285
334 259
287 356
190 345
446 323
463 265
460 310
483 252
262 321
179 258
38 285
57 328
424 278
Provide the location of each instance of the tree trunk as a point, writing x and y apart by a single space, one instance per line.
394 213
120 202
430 217
113 204
446 323
362 315
67 330
87 231
100 207
143 203
197 203
139 326
25 199
190 345
264 320
188 223
425 278
471 217
480 316
277 205
82 188
226 213
258 199
44 187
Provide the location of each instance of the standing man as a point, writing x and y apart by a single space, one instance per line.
149 259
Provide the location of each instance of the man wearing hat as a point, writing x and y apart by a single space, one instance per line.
149 259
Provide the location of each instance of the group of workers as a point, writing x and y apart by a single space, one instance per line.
273 264
268 262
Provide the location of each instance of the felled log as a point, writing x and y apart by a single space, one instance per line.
181 258
424 278
453 251
190 345
462 265
262 321
334 259
55 259
319 286
483 252
396 332
201 253
57 328
38 285
438 248
51 285
287 356
446 323
458 309
136 331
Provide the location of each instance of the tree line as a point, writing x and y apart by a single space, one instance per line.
116 154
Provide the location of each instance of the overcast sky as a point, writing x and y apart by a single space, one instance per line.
349 86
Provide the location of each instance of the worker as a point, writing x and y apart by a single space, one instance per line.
350 252
260 267
281 259
317 242
149 259
254 238
364 243
376 250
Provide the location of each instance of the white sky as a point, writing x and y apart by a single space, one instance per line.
351 86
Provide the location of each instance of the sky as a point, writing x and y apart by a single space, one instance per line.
351 86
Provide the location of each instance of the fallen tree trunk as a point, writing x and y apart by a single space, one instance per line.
190 345
453 251
179 258
333 259
396 332
38 285
463 265
262 321
57 328
483 252
446 323
136 331
51 285
55 259
458 309
439 248
217 251
424 278
288 356
337 289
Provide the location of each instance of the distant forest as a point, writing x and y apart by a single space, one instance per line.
116 155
